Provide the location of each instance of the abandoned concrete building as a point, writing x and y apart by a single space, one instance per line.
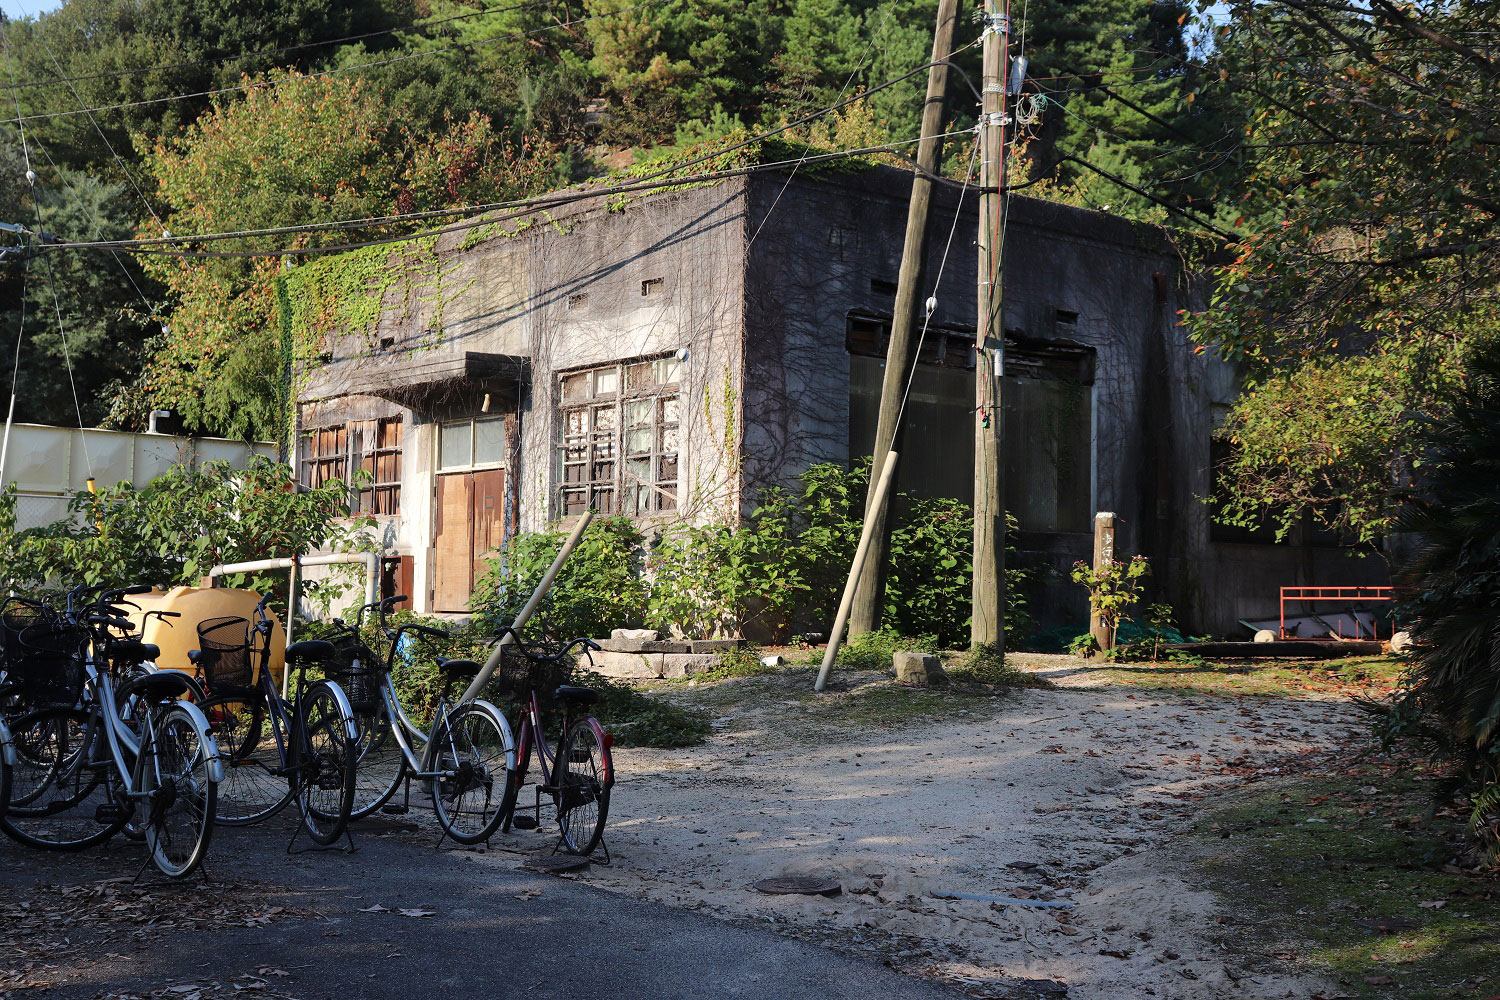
667 357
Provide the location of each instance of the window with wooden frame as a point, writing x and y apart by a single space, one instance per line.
340 451
620 438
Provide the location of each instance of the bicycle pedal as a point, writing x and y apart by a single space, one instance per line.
391 809
108 813
524 823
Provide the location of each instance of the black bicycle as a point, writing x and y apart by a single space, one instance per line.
275 750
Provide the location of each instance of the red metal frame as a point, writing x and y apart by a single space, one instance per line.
1342 594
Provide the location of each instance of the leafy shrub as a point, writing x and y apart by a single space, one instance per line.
598 589
177 527
1448 703
874 650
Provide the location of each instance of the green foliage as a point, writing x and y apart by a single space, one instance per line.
1112 587
175 528
598 589
1365 265
875 650
295 150
1449 702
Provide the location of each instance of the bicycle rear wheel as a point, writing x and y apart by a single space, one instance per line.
60 800
379 762
323 772
253 788
474 749
583 774
172 771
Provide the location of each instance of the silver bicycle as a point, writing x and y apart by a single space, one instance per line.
113 744
465 755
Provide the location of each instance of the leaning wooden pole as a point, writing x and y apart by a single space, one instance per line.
493 663
865 616
866 536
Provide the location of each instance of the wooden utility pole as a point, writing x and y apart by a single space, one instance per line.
865 616
988 624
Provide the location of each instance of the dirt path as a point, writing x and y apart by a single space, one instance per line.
1070 796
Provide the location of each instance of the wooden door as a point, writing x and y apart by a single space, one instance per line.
470 524
452 543
488 495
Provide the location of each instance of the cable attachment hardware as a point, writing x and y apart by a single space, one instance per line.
998 24
994 118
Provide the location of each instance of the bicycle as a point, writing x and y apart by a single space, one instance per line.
158 767
306 752
581 773
465 754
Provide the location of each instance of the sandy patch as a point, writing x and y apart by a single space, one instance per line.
1066 796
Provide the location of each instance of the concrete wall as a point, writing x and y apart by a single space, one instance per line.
813 263
566 292
757 279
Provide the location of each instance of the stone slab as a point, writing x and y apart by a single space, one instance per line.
687 664
640 666
644 646
638 634
918 668
716 645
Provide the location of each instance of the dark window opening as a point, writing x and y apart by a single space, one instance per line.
1046 407
652 286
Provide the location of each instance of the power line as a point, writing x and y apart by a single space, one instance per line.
155 67
405 57
650 181
513 209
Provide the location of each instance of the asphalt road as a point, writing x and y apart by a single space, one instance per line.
263 923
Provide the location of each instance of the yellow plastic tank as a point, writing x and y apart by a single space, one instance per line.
175 636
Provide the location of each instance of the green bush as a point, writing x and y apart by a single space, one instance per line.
598 589
1449 700
177 527
874 650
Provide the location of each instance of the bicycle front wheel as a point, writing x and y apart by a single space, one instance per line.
379 762
60 797
180 796
475 753
254 787
583 773
323 773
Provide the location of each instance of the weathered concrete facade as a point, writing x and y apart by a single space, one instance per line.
671 355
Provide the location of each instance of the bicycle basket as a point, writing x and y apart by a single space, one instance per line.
357 670
50 669
519 674
224 655
17 616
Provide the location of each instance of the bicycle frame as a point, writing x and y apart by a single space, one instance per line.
404 730
124 746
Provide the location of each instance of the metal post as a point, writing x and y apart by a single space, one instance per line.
866 535
988 623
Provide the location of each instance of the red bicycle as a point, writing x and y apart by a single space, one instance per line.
579 775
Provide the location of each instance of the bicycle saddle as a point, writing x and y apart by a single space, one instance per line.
459 668
578 695
311 649
158 684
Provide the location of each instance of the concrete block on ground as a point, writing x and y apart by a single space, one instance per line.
716 645
644 646
639 634
687 664
640 666
921 669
